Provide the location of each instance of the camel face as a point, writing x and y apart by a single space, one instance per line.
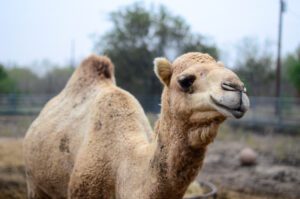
213 88
203 87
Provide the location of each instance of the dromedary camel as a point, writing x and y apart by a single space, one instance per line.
93 140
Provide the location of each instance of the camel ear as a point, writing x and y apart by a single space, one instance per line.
163 70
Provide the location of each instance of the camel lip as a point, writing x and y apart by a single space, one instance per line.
236 112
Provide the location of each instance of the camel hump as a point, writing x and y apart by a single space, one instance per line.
97 67
93 70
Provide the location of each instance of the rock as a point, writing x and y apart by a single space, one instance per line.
248 157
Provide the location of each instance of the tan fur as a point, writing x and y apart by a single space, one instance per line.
92 140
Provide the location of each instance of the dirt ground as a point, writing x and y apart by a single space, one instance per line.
276 174
266 179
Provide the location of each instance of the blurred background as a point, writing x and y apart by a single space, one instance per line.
42 43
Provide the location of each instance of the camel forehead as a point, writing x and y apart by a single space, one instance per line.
191 59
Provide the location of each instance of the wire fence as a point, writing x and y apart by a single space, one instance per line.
280 113
264 111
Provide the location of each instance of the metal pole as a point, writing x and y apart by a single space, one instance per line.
278 67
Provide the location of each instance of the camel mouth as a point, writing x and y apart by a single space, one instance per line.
235 112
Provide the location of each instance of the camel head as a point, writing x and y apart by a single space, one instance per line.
197 86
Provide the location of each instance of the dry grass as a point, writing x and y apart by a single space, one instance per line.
194 190
11 152
14 126
12 177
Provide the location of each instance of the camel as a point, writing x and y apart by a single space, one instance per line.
93 140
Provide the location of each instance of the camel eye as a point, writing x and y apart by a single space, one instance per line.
186 81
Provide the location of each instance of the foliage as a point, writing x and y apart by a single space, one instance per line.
7 84
26 81
139 34
255 68
23 80
292 62
56 79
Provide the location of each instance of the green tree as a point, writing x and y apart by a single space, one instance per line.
7 85
255 67
139 34
292 62
55 80
26 81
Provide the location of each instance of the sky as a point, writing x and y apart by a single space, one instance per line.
35 30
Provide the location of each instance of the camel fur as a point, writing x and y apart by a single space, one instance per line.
93 140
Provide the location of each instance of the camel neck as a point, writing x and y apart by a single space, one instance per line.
175 162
